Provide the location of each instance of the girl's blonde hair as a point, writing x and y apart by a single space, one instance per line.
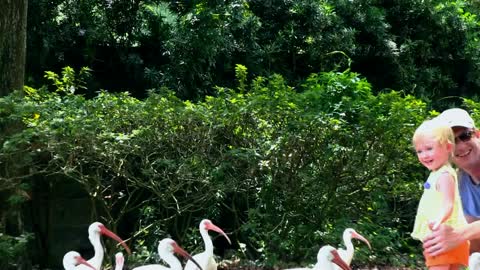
442 133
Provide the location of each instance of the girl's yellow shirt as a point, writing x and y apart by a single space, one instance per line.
431 202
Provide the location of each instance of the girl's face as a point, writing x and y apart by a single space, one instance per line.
431 153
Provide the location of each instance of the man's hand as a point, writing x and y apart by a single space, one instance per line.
435 225
440 240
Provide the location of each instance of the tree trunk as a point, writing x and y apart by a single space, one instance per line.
13 40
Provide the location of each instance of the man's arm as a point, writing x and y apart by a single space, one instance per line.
445 237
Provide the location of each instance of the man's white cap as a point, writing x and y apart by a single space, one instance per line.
456 118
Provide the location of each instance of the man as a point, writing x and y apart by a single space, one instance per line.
467 159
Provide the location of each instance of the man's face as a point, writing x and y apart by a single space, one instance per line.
467 147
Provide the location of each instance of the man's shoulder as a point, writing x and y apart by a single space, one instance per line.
465 181
461 174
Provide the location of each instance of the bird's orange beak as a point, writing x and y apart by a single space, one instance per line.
360 237
338 261
213 227
81 260
180 251
107 232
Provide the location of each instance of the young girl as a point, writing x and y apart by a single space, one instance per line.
440 202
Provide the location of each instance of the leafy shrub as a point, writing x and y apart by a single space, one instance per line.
13 250
283 172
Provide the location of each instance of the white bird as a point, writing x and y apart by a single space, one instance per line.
474 261
94 231
327 259
205 258
347 254
119 261
72 259
166 248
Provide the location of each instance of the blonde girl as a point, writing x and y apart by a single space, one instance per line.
440 203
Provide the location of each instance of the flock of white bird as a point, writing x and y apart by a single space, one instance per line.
166 250
328 257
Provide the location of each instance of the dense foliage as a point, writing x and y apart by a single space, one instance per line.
427 48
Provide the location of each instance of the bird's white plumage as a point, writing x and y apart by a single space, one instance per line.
119 261
347 253
95 230
94 237
327 259
166 249
474 261
206 258
72 259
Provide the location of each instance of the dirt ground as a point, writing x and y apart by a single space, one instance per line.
383 267
371 268
235 265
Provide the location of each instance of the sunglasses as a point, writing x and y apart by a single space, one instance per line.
465 136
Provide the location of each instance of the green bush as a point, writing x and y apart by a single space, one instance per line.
13 250
283 172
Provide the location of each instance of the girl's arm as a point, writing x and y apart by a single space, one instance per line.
445 185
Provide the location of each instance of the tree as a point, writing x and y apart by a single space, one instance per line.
13 37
